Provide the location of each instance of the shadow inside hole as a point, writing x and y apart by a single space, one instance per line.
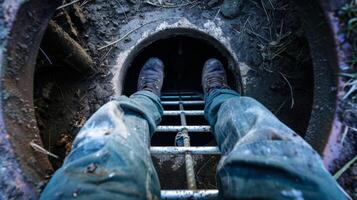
57 99
183 58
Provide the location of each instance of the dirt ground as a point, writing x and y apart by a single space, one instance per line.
270 36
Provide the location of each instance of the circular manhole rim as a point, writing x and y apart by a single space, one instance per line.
127 58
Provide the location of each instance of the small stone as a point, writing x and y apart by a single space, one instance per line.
231 8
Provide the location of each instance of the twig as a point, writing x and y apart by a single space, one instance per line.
344 168
122 8
67 4
257 35
85 2
105 55
47 58
291 90
170 6
350 91
120 39
215 17
282 48
254 33
242 29
40 149
272 5
204 165
345 132
280 107
281 27
246 21
263 5
194 4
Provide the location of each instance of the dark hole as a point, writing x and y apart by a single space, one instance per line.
183 57
173 174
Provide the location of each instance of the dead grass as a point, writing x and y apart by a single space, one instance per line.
276 43
349 18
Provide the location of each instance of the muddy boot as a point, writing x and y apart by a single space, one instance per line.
213 76
152 76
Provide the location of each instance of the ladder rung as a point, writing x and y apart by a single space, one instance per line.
179 93
179 128
186 112
189 194
182 97
182 150
183 102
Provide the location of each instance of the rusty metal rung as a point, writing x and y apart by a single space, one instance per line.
182 97
182 140
182 150
180 128
198 102
189 194
186 112
179 93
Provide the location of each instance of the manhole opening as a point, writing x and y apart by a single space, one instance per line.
184 57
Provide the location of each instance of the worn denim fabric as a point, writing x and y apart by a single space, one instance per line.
263 158
110 158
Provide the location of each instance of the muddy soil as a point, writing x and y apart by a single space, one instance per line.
347 107
348 180
273 46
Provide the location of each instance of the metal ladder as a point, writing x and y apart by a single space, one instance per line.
183 146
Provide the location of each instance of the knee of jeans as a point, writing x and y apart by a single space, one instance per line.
241 103
108 105
250 102
264 133
239 108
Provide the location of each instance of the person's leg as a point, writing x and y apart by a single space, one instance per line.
110 158
261 157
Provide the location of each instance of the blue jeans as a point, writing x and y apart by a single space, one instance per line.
261 157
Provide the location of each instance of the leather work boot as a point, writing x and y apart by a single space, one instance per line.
213 76
151 76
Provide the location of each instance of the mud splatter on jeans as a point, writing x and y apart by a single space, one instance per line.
261 157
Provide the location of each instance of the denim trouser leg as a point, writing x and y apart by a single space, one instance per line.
263 158
110 158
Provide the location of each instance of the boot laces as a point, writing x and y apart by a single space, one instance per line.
215 81
147 82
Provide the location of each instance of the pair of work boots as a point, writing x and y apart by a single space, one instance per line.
151 76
